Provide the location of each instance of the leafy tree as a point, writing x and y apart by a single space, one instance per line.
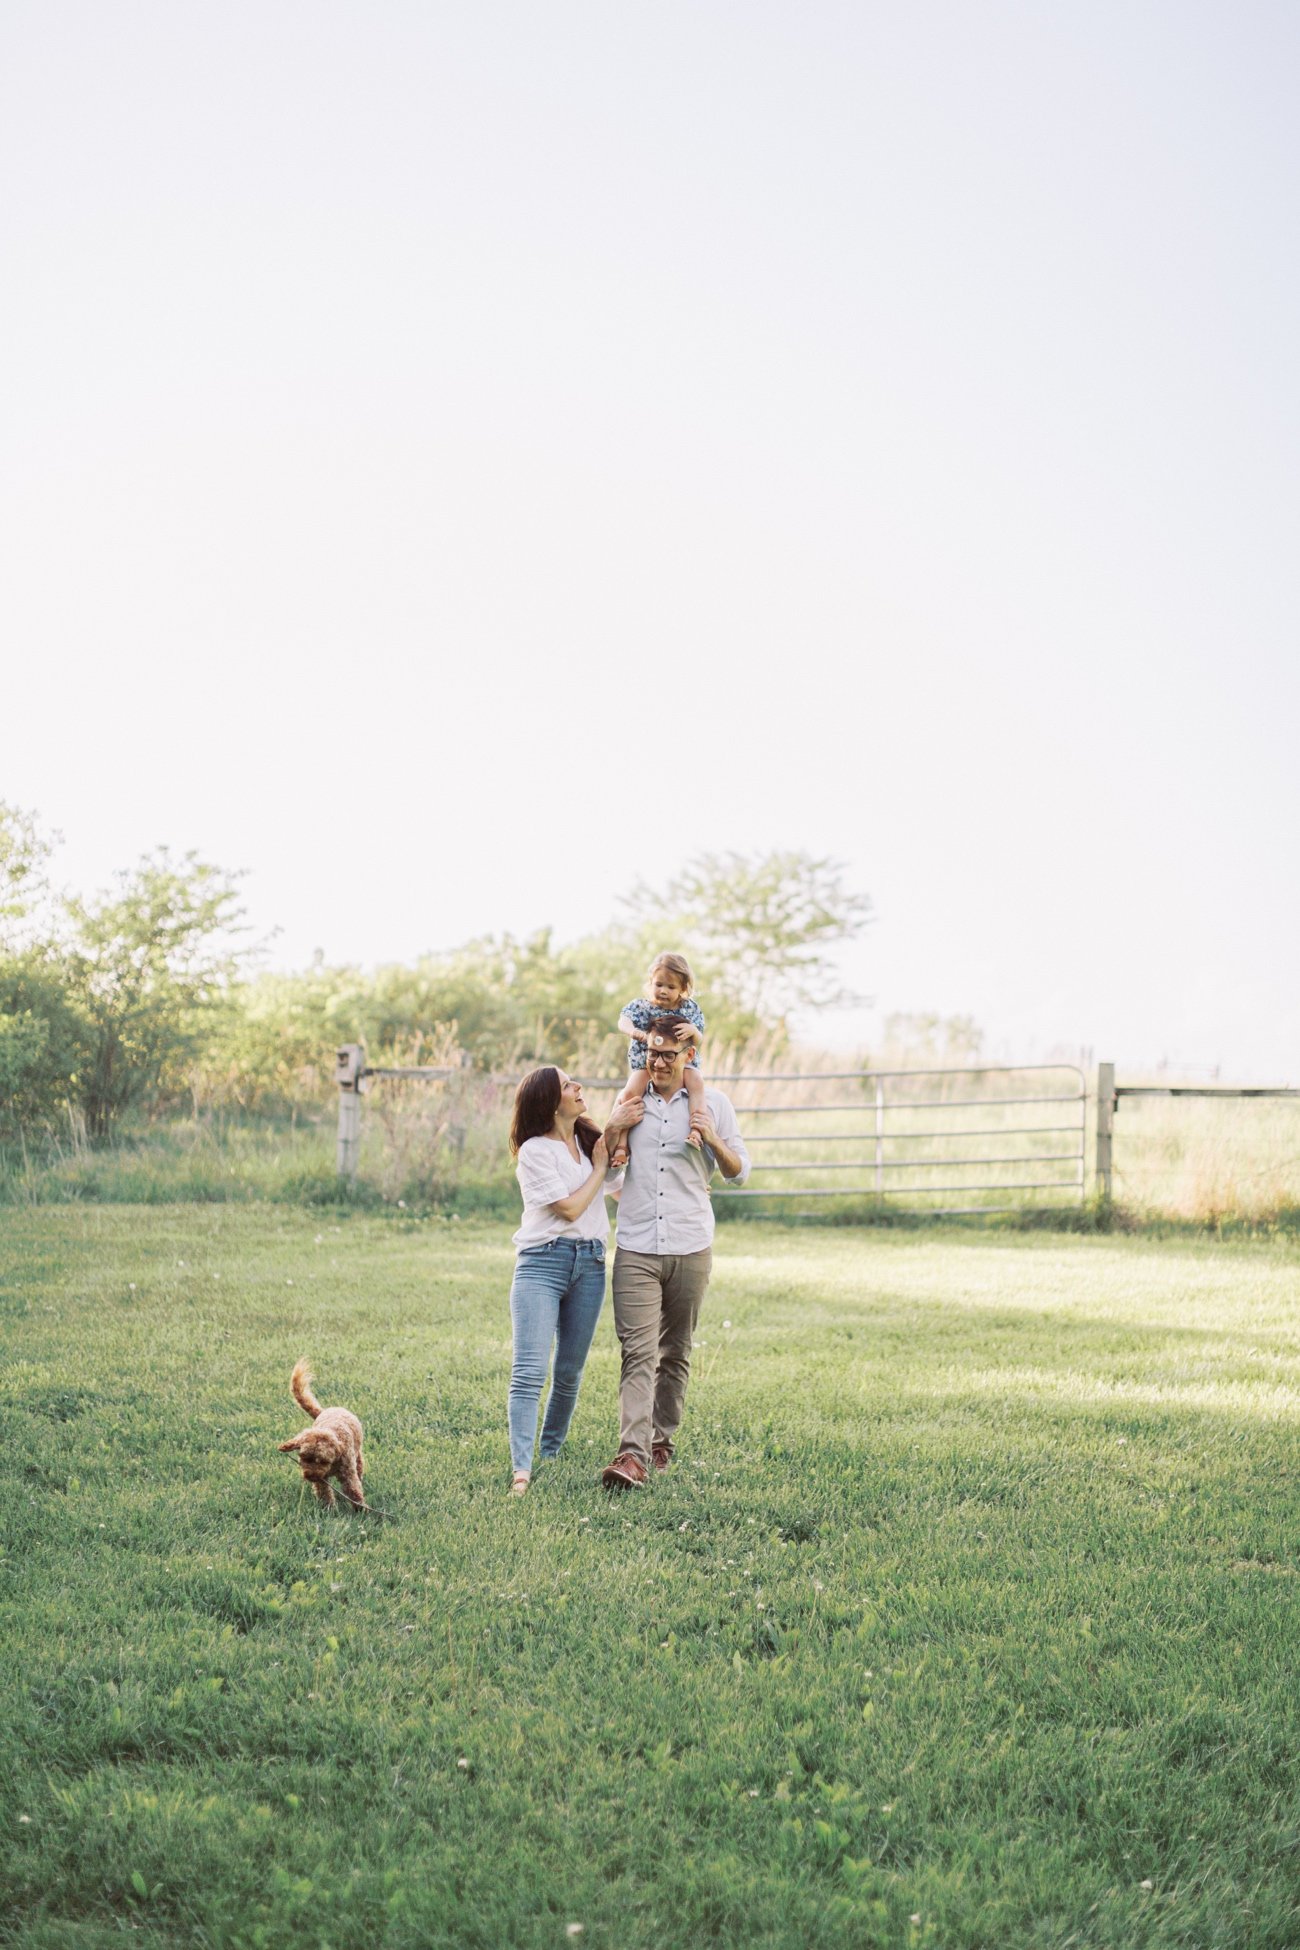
24 851
510 1003
149 970
612 966
763 925
42 1042
39 1032
23 1041
124 999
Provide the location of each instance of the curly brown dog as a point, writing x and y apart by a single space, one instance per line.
331 1447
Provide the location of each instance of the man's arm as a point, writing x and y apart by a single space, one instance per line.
730 1163
726 1143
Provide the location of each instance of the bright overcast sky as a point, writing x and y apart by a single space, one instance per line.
458 459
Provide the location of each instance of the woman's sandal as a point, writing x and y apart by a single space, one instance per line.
519 1482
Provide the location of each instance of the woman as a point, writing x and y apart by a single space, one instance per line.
559 1283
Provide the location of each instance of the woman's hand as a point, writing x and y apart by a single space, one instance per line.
600 1154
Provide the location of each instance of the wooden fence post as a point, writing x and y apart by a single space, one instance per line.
1105 1127
349 1074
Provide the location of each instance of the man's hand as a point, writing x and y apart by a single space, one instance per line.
702 1121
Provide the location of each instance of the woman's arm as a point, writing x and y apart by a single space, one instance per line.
573 1207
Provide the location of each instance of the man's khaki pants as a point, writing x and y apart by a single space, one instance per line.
656 1305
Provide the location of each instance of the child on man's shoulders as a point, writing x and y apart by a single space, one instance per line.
667 992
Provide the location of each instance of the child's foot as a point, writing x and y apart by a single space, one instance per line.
693 1137
618 1158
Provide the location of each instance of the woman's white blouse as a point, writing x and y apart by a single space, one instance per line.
546 1170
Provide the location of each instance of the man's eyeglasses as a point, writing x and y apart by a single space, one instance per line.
662 1056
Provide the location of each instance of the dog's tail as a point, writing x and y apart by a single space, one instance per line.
301 1385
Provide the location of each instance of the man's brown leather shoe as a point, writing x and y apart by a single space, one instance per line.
661 1455
626 1472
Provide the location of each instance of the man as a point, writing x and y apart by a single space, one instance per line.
665 1247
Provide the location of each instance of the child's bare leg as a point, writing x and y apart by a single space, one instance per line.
695 1102
631 1093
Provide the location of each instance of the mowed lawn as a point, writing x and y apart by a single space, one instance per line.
968 1616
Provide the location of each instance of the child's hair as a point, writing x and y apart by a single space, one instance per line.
676 965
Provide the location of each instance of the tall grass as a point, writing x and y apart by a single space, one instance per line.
1213 1161
222 1159
442 1145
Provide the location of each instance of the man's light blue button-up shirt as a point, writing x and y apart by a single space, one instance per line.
665 1206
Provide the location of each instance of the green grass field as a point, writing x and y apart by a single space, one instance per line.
967 1618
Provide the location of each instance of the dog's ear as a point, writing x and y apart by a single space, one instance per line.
295 1444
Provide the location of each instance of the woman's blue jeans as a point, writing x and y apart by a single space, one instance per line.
555 1301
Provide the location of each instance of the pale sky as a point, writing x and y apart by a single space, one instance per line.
459 459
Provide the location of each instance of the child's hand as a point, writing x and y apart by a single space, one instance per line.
684 1033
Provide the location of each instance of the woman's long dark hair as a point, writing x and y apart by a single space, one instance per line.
536 1101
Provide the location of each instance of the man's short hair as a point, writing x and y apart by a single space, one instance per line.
668 1024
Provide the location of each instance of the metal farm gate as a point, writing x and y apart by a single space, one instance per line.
913 1138
903 1140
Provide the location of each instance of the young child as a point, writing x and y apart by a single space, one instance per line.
667 993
